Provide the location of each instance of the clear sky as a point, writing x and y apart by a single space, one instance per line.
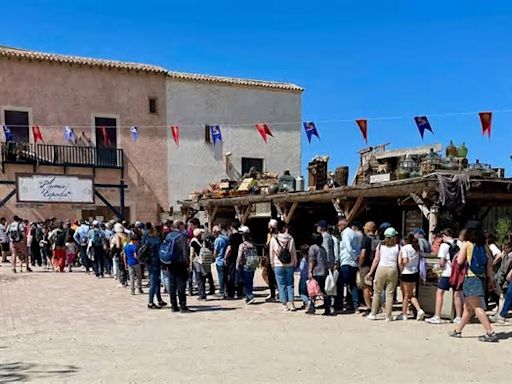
354 58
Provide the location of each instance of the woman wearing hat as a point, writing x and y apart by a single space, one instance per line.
385 266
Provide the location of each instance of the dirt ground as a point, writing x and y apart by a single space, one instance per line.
74 328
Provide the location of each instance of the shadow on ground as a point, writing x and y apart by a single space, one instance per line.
19 372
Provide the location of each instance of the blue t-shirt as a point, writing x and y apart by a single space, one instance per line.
304 268
130 251
220 245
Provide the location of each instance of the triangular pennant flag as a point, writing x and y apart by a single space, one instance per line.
8 134
310 129
69 134
36 133
175 132
215 134
423 125
486 120
134 133
264 130
363 126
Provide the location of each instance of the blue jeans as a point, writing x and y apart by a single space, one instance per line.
284 277
508 301
248 277
303 290
347 277
154 284
220 275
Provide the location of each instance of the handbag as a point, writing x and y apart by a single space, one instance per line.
330 283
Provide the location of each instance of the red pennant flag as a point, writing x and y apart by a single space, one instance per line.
486 120
363 126
175 131
36 133
264 130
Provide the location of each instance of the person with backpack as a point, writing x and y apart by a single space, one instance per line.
4 239
132 261
153 241
283 258
234 287
201 258
17 237
448 251
35 237
81 237
385 267
220 245
267 272
479 269
247 262
117 244
97 243
175 259
58 240
318 269
369 246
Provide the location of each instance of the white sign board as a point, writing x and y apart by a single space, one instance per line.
380 178
34 188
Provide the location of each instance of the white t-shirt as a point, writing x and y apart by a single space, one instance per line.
408 252
494 250
388 256
444 253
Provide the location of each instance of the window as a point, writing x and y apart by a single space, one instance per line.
106 132
18 123
248 163
152 105
207 134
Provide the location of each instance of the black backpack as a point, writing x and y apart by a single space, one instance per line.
284 254
60 238
144 252
454 249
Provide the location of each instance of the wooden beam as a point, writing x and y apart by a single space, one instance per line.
247 212
212 212
337 207
355 209
421 205
290 213
278 209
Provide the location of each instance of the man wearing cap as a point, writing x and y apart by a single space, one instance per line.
97 237
350 247
219 250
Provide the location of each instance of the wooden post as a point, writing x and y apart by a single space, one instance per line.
289 216
356 208
246 214
336 205
279 209
211 217
432 222
421 205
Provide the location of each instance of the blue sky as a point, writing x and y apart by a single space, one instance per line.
355 59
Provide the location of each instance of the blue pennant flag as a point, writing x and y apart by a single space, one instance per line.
8 134
134 132
69 134
215 133
310 130
423 125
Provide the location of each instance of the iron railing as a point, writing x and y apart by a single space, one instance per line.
61 155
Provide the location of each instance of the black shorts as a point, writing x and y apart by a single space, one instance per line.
410 277
444 283
6 247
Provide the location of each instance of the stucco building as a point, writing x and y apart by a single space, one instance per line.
102 99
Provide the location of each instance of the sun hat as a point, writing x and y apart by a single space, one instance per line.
390 232
118 228
244 229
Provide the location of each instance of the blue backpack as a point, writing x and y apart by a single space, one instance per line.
170 252
478 263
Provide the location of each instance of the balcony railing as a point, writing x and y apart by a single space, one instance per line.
61 155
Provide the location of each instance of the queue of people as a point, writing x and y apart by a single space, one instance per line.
358 272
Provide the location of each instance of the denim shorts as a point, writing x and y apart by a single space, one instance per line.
473 286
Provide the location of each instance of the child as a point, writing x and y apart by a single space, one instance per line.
303 269
71 251
134 267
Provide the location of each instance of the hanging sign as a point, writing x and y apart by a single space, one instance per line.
44 188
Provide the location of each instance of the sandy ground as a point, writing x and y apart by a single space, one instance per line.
73 328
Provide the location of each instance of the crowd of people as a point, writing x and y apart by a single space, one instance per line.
357 270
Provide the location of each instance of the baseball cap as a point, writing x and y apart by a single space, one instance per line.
390 232
322 224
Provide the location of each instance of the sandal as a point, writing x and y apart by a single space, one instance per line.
153 306
489 338
455 334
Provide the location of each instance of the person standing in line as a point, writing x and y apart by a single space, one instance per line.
385 267
479 270
369 246
36 233
154 240
17 237
97 242
132 261
267 272
4 239
117 244
235 239
501 316
246 263
409 264
178 270
318 269
81 237
71 252
195 263
58 240
219 251
350 248
107 230
304 275
448 251
283 257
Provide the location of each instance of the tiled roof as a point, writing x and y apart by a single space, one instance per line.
234 81
100 63
121 65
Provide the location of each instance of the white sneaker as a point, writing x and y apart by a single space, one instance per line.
401 317
420 316
456 320
433 320
497 319
371 316
389 319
